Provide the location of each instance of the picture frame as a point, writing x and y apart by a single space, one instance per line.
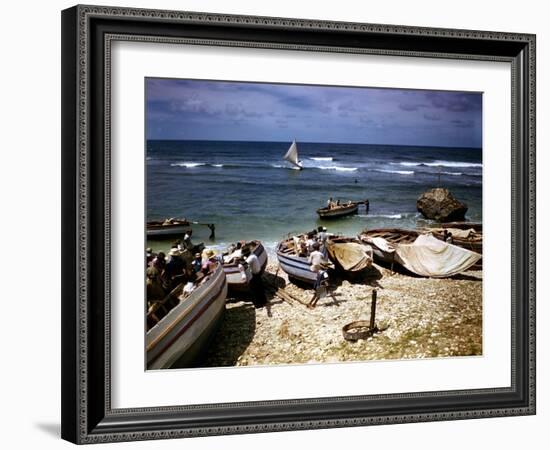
87 412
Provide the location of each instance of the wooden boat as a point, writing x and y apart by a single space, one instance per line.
339 211
477 226
164 229
179 337
349 255
392 235
235 280
395 236
467 237
297 267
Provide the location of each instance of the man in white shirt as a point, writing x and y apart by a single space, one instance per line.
256 282
316 258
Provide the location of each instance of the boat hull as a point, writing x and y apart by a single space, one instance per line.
235 281
334 213
179 338
296 267
166 231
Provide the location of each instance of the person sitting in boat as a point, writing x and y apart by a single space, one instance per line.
338 202
196 264
209 261
302 247
149 256
310 241
235 254
175 267
447 236
159 262
155 291
256 282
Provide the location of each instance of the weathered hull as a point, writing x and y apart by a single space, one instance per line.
179 337
296 267
166 231
334 213
235 281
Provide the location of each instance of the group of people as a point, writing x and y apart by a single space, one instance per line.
185 263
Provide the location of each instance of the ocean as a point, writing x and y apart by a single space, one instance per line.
249 192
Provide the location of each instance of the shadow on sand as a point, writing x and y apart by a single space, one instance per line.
233 336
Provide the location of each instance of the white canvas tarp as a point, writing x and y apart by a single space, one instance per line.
352 256
430 257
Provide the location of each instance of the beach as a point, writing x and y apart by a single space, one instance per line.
421 318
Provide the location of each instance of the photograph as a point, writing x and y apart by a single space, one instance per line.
310 224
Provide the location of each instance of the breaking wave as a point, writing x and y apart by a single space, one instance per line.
440 163
321 158
399 172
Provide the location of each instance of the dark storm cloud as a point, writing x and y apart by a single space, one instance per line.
195 109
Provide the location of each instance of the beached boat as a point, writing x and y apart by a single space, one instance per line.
392 236
338 211
297 267
468 238
164 229
235 281
349 255
183 333
292 156
422 254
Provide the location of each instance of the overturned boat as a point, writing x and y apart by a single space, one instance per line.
349 255
168 228
422 254
235 280
181 325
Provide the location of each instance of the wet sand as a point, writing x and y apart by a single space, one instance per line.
424 318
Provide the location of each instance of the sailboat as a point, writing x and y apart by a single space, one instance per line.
292 156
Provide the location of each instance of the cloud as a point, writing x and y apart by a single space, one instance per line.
432 116
455 101
463 123
411 106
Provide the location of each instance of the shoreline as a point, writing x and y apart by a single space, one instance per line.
425 317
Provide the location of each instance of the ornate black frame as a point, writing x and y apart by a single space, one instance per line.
87 31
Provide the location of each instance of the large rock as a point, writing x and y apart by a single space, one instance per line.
439 204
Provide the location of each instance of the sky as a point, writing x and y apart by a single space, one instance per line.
243 111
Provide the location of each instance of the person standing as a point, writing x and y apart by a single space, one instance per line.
256 282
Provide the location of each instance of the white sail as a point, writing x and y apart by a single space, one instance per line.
292 155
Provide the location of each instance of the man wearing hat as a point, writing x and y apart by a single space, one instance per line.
256 283
175 267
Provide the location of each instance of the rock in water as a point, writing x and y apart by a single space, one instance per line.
439 204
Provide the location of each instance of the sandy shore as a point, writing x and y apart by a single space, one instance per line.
424 318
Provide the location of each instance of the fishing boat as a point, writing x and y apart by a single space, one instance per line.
422 254
297 267
292 156
339 211
235 280
468 238
349 255
168 228
178 336
392 236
